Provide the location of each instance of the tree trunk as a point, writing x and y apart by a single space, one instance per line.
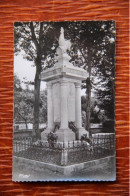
36 131
24 120
88 106
26 124
38 44
88 94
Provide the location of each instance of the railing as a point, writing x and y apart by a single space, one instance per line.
65 153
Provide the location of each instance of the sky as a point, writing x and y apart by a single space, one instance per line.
26 72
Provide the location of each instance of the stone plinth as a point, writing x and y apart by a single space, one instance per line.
65 135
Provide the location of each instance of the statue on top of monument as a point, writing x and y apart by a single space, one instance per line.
63 43
62 58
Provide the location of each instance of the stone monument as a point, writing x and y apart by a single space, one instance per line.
63 94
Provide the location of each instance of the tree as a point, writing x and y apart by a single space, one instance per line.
36 40
23 103
93 48
43 107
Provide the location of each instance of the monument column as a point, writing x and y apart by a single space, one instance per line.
64 105
49 106
78 105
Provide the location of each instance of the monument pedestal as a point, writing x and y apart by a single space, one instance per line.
65 135
82 131
63 94
45 133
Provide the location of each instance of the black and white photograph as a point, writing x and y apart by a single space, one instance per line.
64 101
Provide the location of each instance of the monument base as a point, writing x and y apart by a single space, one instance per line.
45 133
65 135
82 131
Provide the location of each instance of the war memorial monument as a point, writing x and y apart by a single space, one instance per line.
66 151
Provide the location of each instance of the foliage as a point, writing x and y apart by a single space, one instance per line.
52 139
98 115
93 48
43 107
34 38
24 101
85 138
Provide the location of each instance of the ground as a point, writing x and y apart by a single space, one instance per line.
103 171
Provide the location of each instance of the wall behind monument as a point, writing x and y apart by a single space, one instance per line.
11 11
